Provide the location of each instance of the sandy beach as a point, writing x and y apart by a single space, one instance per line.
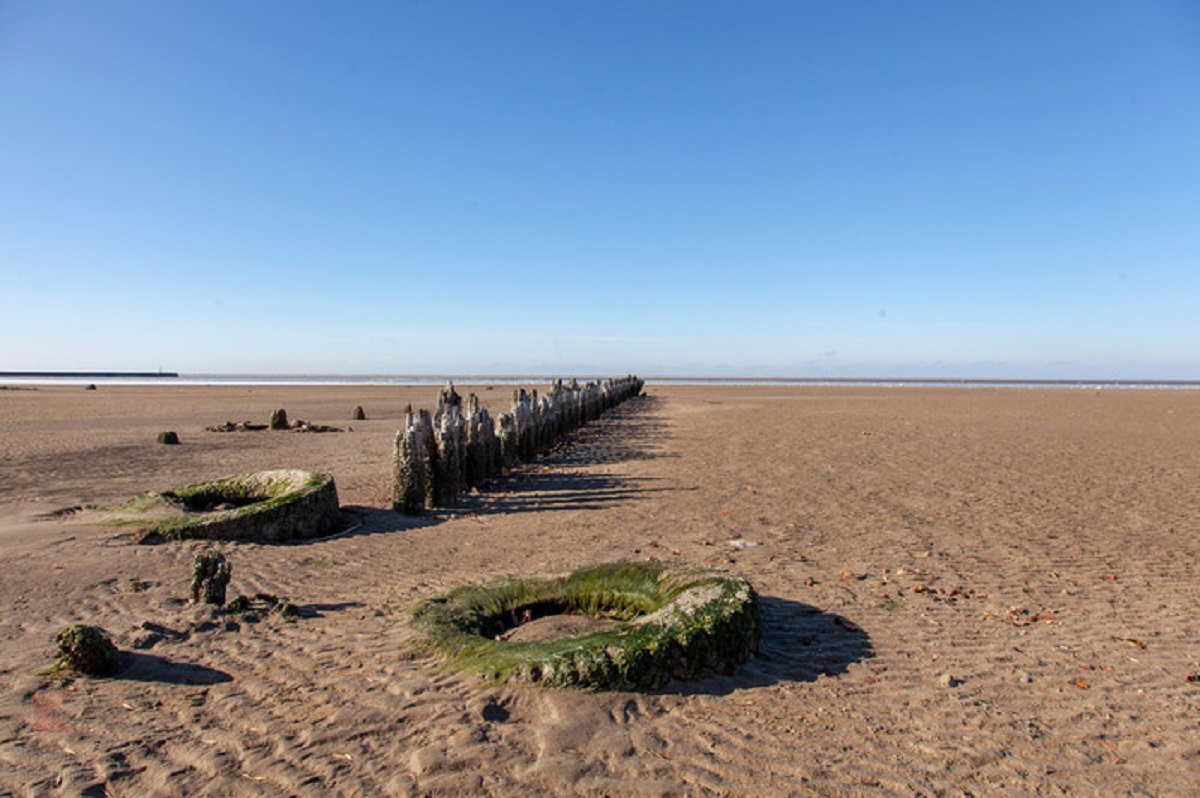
965 591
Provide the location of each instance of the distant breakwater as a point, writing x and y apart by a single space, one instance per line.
438 456
88 375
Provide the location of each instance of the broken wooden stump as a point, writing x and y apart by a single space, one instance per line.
210 577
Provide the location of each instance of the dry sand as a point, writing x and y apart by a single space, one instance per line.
965 591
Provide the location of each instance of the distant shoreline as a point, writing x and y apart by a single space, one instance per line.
151 378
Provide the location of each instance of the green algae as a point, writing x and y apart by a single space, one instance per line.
675 621
267 505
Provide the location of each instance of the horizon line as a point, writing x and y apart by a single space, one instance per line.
550 377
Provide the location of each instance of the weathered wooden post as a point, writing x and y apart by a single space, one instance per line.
409 467
524 418
549 415
427 441
481 433
580 409
555 405
447 398
595 408
472 470
509 445
494 462
535 424
570 410
451 439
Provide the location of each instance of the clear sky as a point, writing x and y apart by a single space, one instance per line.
979 189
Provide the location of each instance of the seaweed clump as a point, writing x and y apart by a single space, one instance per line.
86 649
672 621
262 603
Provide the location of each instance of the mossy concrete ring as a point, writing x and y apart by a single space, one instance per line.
264 506
669 620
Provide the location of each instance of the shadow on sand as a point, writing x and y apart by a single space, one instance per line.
138 667
634 430
319 610
799 644
557 490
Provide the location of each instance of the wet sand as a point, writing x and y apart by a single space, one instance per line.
965 591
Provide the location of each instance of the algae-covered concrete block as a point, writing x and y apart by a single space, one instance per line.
672 621
264 506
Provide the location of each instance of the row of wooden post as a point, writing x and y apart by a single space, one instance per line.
437 456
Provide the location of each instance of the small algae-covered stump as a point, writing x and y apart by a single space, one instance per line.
359 414
666 621
168 438
264 506
210 578
86 649
279 419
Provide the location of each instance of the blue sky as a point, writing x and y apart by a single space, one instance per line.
982 189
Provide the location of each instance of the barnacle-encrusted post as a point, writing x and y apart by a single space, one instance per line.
509 448
409 467
523 413
427 440
447 398
481 434
451 442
